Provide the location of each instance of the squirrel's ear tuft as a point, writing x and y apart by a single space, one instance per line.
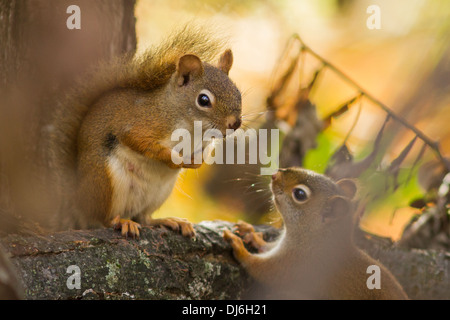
226 61
188 66
336 208
348 187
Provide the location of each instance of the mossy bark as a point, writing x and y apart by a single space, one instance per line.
161 264
424 274
165 265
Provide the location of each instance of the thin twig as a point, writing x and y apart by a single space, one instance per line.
434 145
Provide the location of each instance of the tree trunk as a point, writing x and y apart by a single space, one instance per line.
40 59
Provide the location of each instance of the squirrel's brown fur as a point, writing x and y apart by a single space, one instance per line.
315 258
148 71
111 148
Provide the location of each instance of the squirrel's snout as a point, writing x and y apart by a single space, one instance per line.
277 175
233 123
276 183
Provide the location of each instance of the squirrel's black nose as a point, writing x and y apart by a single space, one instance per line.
235 124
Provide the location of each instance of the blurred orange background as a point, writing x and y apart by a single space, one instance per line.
390 63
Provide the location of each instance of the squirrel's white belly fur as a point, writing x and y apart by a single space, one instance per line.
139 185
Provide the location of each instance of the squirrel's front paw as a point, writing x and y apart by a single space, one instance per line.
233 240
127 226
236 243
192 164
243 228
247 232
183 165
177 161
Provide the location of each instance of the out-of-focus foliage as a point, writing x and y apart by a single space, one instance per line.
397 64
317 159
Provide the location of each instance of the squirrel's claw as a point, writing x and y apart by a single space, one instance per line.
127 226
232 239
242 228
256 240
247 232
191 166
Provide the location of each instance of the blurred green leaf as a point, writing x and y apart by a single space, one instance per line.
317 159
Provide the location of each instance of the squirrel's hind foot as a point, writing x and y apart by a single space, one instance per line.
176 224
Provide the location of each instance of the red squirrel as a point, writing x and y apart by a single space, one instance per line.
315 257
111 144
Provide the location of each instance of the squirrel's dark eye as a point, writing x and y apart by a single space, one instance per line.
205 99
301 193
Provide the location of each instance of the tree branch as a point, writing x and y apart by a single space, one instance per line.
164 265
363 93
160 265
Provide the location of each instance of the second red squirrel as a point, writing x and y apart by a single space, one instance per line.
315 257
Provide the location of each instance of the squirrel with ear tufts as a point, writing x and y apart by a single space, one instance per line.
111 147
315 257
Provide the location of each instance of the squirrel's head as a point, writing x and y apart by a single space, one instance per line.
311 199
206 93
